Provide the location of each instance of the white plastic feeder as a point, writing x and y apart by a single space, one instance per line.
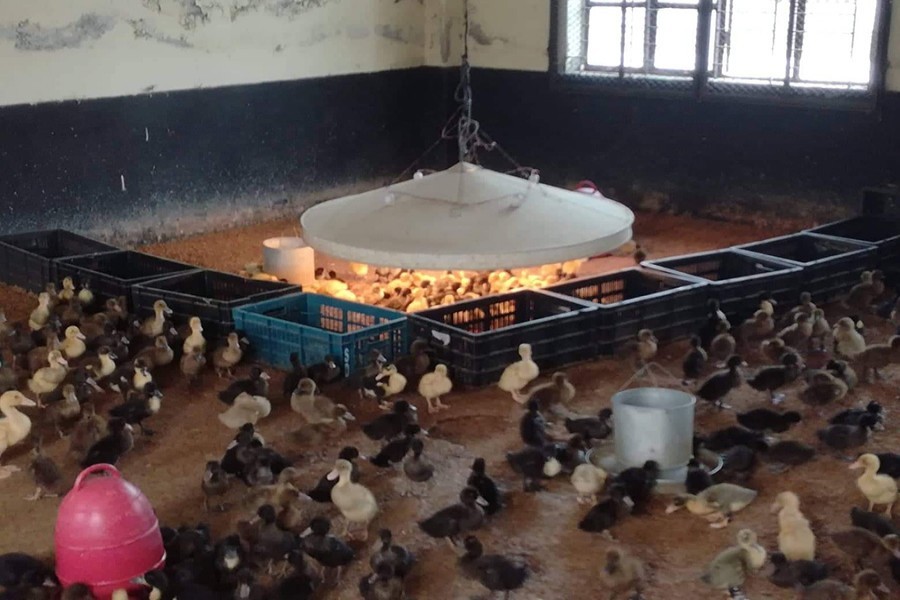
289 258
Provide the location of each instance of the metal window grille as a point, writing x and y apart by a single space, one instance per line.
775 45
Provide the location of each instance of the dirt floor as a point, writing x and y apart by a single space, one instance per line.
543 526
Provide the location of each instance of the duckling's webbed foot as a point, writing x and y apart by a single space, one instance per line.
8 470
38 493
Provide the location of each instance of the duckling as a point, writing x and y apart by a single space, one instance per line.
797 334
495 572
719 384
622 573
823 389
44 472
789 574
763 419
37 356
456 519
865 547
215 483
768 379
787 453
415 364
866 585
324 372
519 374
47 379
588 479
228 356
716 503
639 483
191 366
419 301
395 450
73 345
729 437
15 568
322 492
863 294
890 464
487 488
391 381
722 345
880 525
85 295
759 327
66 410
640 350
694 361
67 293
356 503
698 477
879 356
534 464
160 354
138 406
847 340
614 506
111 447
245 409
843 371
101 366
553 396
315 408
591 428
195 339
434 385
397 557
87 432
878 489
151 327
714 317
40 315
843 437
9 379
256 384
730 567
795 538
805 307
301 584
774 349
416 468
821 330
739 463
393 423
382 585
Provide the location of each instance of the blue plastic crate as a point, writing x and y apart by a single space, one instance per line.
315 326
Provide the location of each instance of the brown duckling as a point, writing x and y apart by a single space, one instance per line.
40 315
694 361
415 364
37 357
88 431
722 345
215 483
228 356
879 356
159 354
823 389
640 350
797 334
719 384
758 327
9 379
866 548
154 326
863 294
806 307
843 371
867 585
553 395
45 473
192 365
821 330
771 378
622 573
66 410
195 339
774 349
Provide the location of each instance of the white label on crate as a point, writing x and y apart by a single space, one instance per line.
346 362
440 336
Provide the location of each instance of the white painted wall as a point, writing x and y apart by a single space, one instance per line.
76 49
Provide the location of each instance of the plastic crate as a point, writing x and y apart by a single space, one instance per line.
633 299
478 338
210 295
881 231
315 326
735 278
881 201
113 274
28 260
830 266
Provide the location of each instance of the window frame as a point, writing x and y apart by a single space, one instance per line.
698 83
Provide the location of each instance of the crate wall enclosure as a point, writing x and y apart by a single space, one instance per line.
28 260
315 326
112 274
210 295
883 231
672 306
735 278
829 266
478 338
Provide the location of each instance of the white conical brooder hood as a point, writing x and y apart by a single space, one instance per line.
466 217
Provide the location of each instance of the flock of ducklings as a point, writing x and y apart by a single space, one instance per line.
104 350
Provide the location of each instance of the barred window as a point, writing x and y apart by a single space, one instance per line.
767 46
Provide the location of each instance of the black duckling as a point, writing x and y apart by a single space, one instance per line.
257 466
299 585
399 558
456 519
16 566
416 363
639 483
791 573
138 406
322 492
110 448
571 454
273 544
415 467
591 428
392 424
788 453
534 464
44 472
771 378
487 489
495 572
257 384
843 371
723 439
890 464
161 587
607 512
532 426
738 464
382 585
395 451
77 591
851 416
247 587
763 419
293 377
874 522
694 361
324 372
231 462
710 328
123 378
329 551
215 483
844 437
719 384
229 558
698 477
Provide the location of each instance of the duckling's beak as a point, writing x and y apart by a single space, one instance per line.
113 356
173 331
856 465
80 336
93 384
265 376
244 340
331 365
128 427
333 475
167 311
349 416
744 364
774 508
672 508
63 362
481 502
140 581
306 532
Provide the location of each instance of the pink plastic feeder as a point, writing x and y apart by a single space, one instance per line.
106 533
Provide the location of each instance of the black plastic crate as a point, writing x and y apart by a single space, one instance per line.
210 295
28 260
479 338
113 274
881 201
882 231
735 278
672 306
830 266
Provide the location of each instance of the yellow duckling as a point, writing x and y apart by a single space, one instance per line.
448 299
419 301
716 503
195 339
332 287
878 489
434 385
391 381
356 503
346 295
40 315
519 374
68 290
47 379
85 295
14 427
153 326
359 269
73 346
795 538
588 480
228 356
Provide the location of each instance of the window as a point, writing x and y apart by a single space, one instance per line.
792 47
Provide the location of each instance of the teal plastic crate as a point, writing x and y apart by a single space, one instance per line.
315 326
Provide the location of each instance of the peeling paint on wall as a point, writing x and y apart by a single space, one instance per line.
445 39
391 32
478 35
33 37
146 31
